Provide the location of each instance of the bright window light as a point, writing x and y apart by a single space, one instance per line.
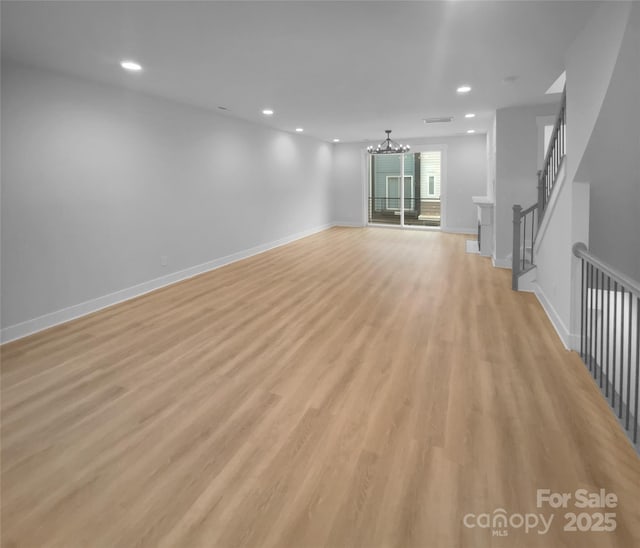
558 85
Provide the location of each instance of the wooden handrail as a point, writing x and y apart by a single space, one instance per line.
581 251
548 175
528 210
556 130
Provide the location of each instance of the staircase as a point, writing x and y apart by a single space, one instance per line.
526 222
525 226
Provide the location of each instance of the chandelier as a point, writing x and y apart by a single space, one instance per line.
388 146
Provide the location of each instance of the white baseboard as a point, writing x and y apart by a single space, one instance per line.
575 341
460 230
406 227
501 263
29 327
527 281
454 230
558 324
348 224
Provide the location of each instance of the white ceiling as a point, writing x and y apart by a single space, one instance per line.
338 69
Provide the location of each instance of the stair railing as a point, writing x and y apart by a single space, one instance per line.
525 229
610 335
556 151
530 218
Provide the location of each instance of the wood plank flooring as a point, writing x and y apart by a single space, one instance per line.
357 388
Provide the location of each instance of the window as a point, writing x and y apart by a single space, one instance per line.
423 173
430 173
393 192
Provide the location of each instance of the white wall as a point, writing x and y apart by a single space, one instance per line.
598 203
566 222
589 65
348 190
553 259
466 176
516 169
99 182
611 161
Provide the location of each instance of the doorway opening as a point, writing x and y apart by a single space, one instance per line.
414 203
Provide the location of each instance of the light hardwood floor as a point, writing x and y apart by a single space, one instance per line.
360 387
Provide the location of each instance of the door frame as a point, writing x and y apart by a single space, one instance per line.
418 147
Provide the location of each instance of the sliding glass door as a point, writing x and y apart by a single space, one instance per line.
417 201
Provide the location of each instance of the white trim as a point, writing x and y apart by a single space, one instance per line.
29 327
548 213
525 289
501 263
407 227
554 317
460 230
349 224
365 168
526 281
413 190
574 339
415 147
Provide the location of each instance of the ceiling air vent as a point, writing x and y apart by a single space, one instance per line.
438 120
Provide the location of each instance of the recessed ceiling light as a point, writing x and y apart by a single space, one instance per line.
464 89
267 112
471 131
510 79
299 130
470 115
131 65
336 140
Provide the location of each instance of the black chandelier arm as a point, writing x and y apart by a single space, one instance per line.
388 146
